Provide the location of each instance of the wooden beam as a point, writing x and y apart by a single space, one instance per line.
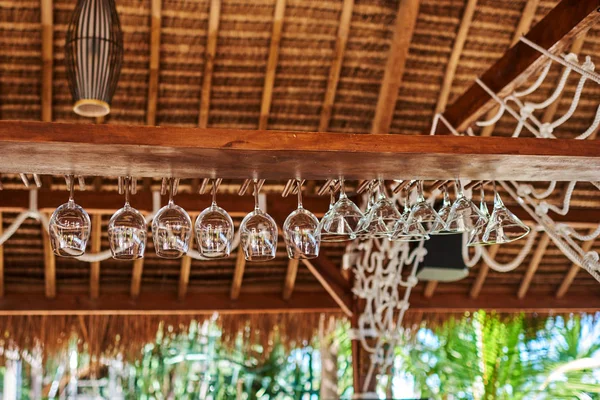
336 65
406 19
165 304
430 289
46 11
136 277
290 279
155 25
570 276
49 266
533 265
555 32
184 277
82 149
483 271
267 95
209 62
459 43
95 266
1 258
238 275
330 277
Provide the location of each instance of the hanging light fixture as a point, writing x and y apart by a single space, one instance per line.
94 54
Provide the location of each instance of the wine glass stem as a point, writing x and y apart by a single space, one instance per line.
420 190
299 193
126 181
342 190
214 193
171 191
256 207
71 188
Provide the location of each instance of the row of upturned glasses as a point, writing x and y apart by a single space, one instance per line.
303 233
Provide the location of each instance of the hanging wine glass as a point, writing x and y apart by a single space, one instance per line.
258 233
171 229
214 229
382 217
404 232
444 213
423 214
127 231
344 216
476 237
464 215
69 227
329 237
503 226
301 232
363 224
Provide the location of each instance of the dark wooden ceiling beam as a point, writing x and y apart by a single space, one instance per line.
1 258
238 274
114 150
46 11
536 259
209 62
155 28
290 279
555 32
96 239
482 274
332 280
49 266
573 271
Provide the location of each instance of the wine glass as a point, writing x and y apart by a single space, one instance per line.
214 229
464 215
423 214
503 226
476 237
127 231
344 217
444 213
301 232
332 237
171 229
258 233
408 232
69 227
382 217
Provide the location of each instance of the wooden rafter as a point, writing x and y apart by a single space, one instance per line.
330 277
154 61
184 276
406 19
82 149
1 258
430 289
555 32
238 275
136 278
49 266
533 265
336 65
290 279
267 95
570 276
46 10
95 266
483 271
209 62
459 43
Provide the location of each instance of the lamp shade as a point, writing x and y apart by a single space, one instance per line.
444 261
93 54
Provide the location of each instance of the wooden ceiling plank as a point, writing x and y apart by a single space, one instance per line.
209 63
46 11
430 289
537 257
572 273
483 271
143 151
136 278
332 280
457 49
267 95
556 31
184 277
1 258
49 266
155 28
336 65
523 26
406 19
290 279
95 266
238 274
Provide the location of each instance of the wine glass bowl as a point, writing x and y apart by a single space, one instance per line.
343 218
258 236
214 232
171 231
301 232
69 230
127 234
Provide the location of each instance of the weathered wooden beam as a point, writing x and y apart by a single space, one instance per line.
330 277
154 61
238 275
209 63
336 64
83 149
483 271
290 279
430 289
267 95
570 276
46 11
555 32
95 266
184 277
533 265
136 278
1 258
406 19
49 266
459 43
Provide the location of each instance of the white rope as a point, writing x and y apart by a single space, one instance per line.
537 83
588 66
496 266
544 206
526 189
